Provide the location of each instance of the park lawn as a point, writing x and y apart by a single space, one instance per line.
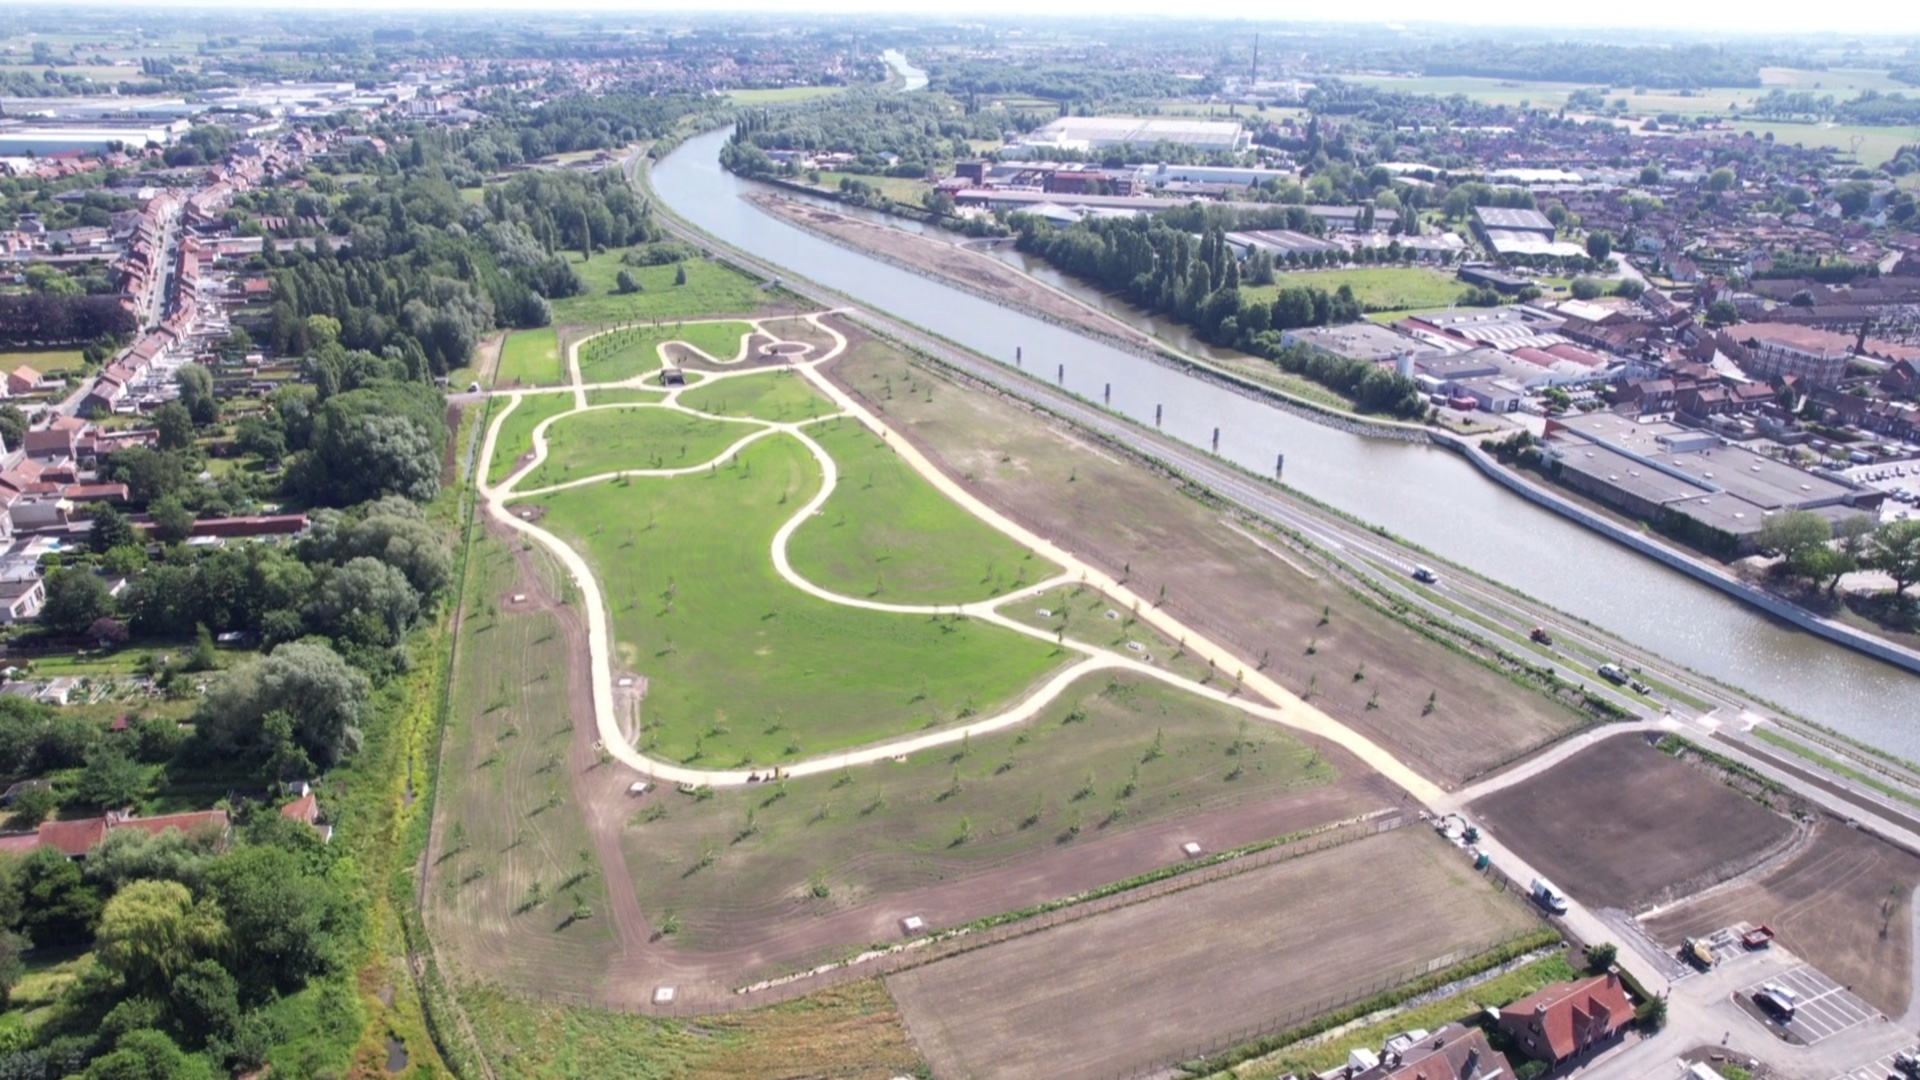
850 1030
745 669
779 395
782 95
886 534
608 440
712 288
635 350
516 431
43 360
531 358
622 395
1113 753
1079 613
1378 288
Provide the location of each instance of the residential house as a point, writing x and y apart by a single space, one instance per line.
21 601
1455 1052
75 839
1565 1020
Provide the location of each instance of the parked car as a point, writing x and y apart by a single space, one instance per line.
1776 1001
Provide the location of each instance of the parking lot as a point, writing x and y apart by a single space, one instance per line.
1873 1070
1824 1007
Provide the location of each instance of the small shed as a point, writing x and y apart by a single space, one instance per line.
673 376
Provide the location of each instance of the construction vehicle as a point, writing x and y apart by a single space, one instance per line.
1547 896
1697 952
1758 938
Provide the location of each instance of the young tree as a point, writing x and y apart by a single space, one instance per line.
625 283
1600 246
680 273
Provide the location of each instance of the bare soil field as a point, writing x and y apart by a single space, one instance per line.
935 258
1623 825
523 798
1254 593
1842 903
1155 981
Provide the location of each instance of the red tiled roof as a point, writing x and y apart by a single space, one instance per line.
1567 1017
305 808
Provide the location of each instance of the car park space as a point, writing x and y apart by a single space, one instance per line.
1822 1008
1878 1070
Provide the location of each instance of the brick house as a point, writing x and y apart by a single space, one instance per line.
1564 1020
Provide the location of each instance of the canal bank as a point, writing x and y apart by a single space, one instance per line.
1428 494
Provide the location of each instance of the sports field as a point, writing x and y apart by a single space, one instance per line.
531 358
743 669
1150 983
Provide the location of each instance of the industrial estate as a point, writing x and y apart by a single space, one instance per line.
710 545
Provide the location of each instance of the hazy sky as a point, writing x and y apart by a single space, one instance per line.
1877 17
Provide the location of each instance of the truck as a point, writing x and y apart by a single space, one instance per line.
1697 952
1547 896
1759 937
1614 673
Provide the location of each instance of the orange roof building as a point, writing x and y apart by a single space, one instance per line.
1560 1021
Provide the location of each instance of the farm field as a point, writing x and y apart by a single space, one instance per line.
516 432
780 396
1030 804
1378 288
1843 903
1268 599
1623 825
745 669
612 439
506 814
531 358
712 288
886 534
635 350
849 1032
1152 982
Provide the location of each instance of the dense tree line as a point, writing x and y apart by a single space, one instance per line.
573 122
423 273
1161 265
921 131
41 318
1067 83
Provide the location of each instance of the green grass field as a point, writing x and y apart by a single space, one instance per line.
1378 288
783 95
531 358
712 289
886 534
608 440
43 361
1110 754
622 395
744 669
516 432
781 396
897 188
635 350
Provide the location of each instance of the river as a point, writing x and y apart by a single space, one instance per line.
1428 495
